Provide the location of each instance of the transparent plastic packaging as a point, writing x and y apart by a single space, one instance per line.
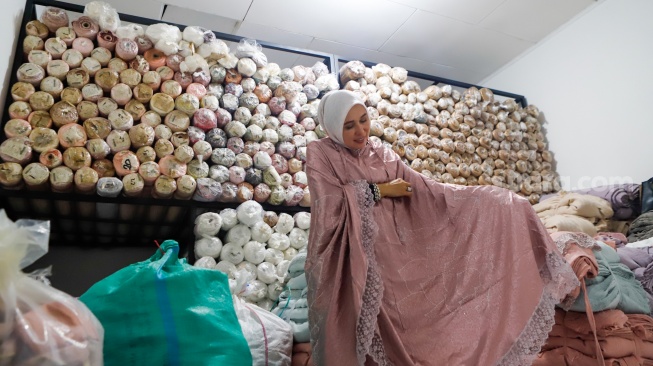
40 325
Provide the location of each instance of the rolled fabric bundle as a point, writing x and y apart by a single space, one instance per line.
208 246
109 187
208 190
205 262
239 235
284 224
208 224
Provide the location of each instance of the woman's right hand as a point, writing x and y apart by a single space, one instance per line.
395 188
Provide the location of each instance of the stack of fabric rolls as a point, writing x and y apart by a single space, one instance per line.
606 320
575 212
293 308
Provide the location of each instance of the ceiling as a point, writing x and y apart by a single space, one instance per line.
465 40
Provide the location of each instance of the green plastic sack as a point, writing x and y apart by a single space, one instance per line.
163 311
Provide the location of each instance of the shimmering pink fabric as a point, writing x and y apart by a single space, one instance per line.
452 276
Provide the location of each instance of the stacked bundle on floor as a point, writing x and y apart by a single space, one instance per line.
575 212
610 297
293 302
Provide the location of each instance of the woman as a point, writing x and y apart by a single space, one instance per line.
404 270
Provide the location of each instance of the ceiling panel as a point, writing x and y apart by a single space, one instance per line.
453 43
355 53
470 11
273 35
362 23
142 8
532 20
225 8
184 16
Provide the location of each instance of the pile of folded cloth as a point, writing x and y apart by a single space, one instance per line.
293 308
619 308
641 228
574 212
622 198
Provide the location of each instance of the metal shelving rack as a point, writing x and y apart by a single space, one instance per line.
93 220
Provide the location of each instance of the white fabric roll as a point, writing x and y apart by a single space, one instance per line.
208 246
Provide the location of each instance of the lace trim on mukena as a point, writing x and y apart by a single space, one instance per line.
368 340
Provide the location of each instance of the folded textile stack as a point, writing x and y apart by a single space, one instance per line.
615 286
617 338
625 339
624 199
293 302
575 212
641 228
640 261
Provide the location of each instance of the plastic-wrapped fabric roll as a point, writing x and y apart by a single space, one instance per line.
195 135
239 234
61 179
286 180
51 158
250 213
279 163
236 174
36 176
261 192
284 224
217 138
11 175
229 218
229 192
277 195
279 241
208 224
244 161
208 246
286 149
302 220
298 238
254 176
244 192
262 160
186 186
301 154
150 172
271 218
205 262
145 154
133 184
198 169
267 147
274 256
251 148
208 190
255 291
104 168
109 187
125 162
163 147
172 167
85 180
202 150
236 144
76 158
266 273
219 173
17 150
223 156
254 252
232 252
275 289
300 179
289 253
226 267
164 187
271 177
282 268
294 195
294 165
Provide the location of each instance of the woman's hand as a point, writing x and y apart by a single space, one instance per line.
396 188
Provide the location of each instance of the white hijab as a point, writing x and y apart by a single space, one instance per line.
332 111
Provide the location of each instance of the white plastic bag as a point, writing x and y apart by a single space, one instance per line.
40 325
270 338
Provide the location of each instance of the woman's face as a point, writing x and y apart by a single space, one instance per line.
356 129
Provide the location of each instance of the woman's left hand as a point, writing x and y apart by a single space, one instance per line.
396 188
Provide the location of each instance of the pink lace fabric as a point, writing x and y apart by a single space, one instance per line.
368 340
559 281
581 239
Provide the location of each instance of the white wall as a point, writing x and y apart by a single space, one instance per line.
593 80
10 18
